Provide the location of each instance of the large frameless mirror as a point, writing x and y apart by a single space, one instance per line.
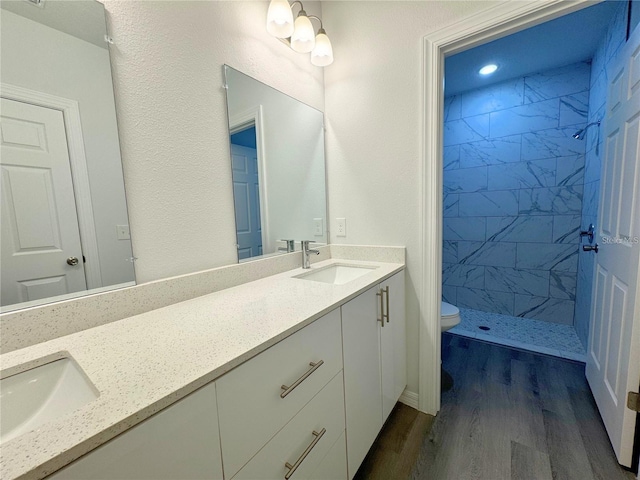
278 167
65 230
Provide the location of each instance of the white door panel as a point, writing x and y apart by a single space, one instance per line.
246 195
39 220
613 363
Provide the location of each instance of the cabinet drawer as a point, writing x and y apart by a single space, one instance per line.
324 412
334 465
250 406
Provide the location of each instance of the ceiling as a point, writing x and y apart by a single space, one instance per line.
569 39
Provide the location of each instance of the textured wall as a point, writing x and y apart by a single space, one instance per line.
604 56
373 108
513 194
167 64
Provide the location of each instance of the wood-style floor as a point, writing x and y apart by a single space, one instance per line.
510 415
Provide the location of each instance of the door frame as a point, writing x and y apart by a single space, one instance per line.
79 172
237 122
501 20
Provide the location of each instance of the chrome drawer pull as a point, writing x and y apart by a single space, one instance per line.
381 320
294 467
386 294
288 390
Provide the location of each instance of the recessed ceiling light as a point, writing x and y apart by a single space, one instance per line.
488 69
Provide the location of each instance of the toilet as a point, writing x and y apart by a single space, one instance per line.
449 316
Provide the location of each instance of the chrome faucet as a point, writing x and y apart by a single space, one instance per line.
305 253
289 248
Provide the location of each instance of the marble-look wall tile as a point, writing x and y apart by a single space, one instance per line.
570 170
500 254
591 199
556 83
574 108
566 228
524 228
490 152
539 173
552 143
472 229
451 157
544 308
465 180
525 119
560 257
486 301
525 282
495 97
593 166
465 130
550 201
457 275
496 203
452 108
449 294
450 205
449 251
562 285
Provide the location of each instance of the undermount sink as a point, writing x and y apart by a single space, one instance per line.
34 397
337 274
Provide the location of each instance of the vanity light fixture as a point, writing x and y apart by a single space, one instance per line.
488 69
299 34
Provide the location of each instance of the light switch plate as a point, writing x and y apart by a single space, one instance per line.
123 232
318 227
341 230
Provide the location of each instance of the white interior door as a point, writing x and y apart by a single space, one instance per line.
39 220
613 363
246 195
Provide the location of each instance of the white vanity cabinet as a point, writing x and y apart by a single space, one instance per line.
180 442
374 352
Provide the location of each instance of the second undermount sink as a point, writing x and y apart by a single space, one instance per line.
42 394
336 274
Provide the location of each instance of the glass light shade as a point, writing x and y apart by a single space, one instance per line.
322 54
280 19
303 38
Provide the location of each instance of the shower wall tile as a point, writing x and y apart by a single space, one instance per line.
490 152
593 165
591 199
485 300
450 205
497 203
550 201
552 143
452 108
562 285
531 282
449 294
574 108
449 251
540 173
496 97
525 228
557 82
464 228
525 119
566 228
500 254
570 170
457 275
465 180
544 308
451 157
466 130
560 257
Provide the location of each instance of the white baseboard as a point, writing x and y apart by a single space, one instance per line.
409 398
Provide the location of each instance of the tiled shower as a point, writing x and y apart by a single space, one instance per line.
517 190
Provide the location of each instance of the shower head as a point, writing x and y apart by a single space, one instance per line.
579 135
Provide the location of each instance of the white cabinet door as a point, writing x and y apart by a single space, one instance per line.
393 343
180 442
361 353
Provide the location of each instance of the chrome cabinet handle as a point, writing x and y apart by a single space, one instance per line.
386 294
73 261
381 320
294 467
288 390
590 248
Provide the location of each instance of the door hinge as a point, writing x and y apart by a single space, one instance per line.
633 401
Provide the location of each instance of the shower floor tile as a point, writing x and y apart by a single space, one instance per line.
523 333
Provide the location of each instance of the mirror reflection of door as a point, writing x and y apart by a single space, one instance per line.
246 191
41 250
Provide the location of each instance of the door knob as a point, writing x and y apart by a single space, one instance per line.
590 248
73 261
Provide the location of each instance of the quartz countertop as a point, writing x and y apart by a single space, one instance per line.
144 363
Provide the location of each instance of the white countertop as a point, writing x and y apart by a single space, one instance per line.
144 363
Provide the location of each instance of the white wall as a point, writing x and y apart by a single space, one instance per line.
167 64
46 60
373 95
